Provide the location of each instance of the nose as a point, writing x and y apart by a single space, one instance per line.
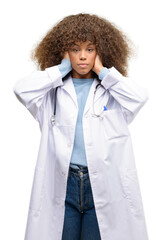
82 55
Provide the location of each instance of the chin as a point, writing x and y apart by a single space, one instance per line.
83 74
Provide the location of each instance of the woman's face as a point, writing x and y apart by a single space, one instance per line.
82 56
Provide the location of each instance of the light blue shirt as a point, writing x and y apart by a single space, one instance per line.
82 87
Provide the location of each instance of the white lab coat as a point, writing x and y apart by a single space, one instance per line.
108 147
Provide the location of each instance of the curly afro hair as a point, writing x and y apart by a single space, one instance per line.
111 44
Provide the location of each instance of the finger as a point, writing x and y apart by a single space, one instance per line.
66 55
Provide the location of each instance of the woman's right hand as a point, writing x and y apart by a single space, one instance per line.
65 66
66 56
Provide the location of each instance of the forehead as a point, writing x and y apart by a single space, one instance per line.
84 44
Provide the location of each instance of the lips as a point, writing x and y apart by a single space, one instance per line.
82 65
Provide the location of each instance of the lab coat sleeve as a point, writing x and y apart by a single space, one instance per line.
31 91
126 92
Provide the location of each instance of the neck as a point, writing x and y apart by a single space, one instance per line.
82 76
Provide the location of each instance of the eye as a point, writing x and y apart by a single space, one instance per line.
75 50
90 49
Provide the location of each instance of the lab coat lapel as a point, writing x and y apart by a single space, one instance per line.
68 86
99 92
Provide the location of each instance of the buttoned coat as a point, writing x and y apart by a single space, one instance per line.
108 146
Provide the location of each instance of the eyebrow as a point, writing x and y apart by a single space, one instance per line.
89 44
75 45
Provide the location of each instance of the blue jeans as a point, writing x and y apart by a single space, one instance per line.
80 222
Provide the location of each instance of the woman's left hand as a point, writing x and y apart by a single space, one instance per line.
97 65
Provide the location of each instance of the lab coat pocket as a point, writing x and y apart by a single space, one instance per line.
114 124
37 190
131 191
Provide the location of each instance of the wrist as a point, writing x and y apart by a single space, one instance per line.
66 62
98 70
65 67
104 71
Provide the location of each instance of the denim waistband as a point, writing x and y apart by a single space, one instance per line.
82 169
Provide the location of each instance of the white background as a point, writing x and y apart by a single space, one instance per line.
22 25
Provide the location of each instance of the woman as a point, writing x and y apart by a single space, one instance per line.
85 184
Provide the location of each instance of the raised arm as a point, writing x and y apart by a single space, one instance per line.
32 90
127 93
